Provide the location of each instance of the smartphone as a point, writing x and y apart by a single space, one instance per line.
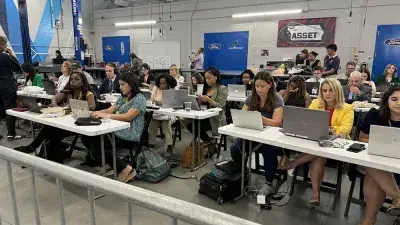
356 148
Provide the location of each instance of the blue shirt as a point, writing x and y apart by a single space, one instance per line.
134 132
332 63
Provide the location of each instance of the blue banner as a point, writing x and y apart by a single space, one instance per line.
116 49
226 51
77 26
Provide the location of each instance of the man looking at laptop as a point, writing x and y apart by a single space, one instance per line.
317 75
110 84
356 91
378 183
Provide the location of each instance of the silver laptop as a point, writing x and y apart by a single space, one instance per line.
306 123
200 88
312 88
384 141
79 108
237 91
193 100
173 98
247 119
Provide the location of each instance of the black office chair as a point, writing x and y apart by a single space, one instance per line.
134 152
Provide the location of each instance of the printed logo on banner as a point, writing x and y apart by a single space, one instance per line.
235 46
315 32
214 46
108 48
393 42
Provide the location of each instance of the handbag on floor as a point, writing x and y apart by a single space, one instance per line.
187 155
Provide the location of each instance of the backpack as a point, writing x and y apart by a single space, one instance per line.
151 167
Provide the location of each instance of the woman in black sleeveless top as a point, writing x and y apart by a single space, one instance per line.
296 94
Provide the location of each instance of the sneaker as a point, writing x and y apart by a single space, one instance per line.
26 149
265 190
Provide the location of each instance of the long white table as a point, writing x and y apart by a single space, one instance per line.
273 136
236 99
42 95
194 115
68 123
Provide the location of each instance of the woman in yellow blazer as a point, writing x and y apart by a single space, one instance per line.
331 99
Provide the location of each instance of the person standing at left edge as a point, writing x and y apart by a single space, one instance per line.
8 85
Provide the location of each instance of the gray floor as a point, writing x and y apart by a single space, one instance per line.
112 211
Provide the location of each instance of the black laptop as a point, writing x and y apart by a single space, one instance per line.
31 104
49 87
312 88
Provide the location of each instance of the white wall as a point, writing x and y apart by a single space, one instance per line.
215 16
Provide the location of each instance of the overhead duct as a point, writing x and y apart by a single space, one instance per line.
120 3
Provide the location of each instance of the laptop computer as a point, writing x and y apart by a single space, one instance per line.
147 95
238 91
185 85
79 108
312 88
306 123
49 87
173 98
31 104
200 89
247 119
193 100
382 87
384 141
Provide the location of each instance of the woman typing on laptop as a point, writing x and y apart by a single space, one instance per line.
130 107
266 100
215 97
163 82
378 183
78 88
331 99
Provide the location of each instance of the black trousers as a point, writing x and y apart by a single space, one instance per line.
205 126
52 134
8 100
93 144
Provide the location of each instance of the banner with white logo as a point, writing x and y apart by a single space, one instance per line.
316 32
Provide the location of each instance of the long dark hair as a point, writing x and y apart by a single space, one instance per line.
366 71
215 72
147 67
248 72
28 68
384 110
255 104
85 88
131 78
198 77
171 82
301 85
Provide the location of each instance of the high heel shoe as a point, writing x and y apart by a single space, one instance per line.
394 208
314 202
367 221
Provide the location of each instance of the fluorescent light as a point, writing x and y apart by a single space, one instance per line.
272 13
135 23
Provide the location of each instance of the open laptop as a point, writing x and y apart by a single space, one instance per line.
147 95
185 85
247 119
384 141
31 104
173 98
194 100
306 123
49 87
79 108
238 91
382 88
312 88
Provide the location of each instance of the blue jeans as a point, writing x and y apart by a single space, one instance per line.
270 155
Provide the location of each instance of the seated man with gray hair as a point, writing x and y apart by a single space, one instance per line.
356 90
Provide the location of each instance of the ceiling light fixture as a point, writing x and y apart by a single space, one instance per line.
133 23
271 13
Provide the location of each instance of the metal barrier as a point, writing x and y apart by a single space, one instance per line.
177 209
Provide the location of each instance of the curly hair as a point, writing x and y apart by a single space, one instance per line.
301 85
170 80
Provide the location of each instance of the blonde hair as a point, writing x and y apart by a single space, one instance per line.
175 67
336 87
3 43
68 65
388 67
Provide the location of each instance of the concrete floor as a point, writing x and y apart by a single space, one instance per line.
111 211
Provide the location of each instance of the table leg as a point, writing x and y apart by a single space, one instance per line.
250 161
114 155
103 157
33 135
200 157
243 172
